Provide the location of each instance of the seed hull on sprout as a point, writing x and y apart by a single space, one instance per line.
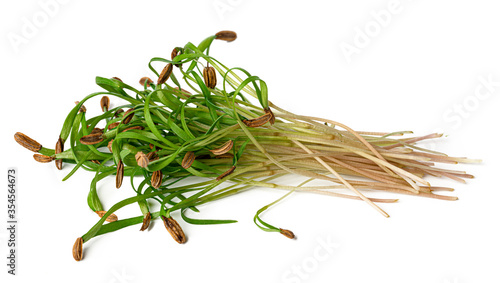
197 121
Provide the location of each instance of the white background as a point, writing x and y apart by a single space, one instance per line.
414 71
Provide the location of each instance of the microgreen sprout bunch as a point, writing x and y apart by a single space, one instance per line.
198 120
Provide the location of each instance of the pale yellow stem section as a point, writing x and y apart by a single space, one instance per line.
330 169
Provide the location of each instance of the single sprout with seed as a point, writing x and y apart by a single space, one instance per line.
145 81
141 159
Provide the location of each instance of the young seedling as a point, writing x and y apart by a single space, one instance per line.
225 137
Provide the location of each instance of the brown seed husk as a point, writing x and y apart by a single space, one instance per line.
210 77
287 233
174 53
224 148
83 109
118 112
59 148
127 116
96 162
110 218
104 103
226 35
97 131
119 174
118 79
142 159
165 74
43 158
156 179
146 80
188 160
205 156
174 229
109 146
269 111
225 156
259 121
227 173
27 142
134 128
146 221
78 249
91 139
113 125
183 92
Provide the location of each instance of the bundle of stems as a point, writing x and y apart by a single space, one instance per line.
167 134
